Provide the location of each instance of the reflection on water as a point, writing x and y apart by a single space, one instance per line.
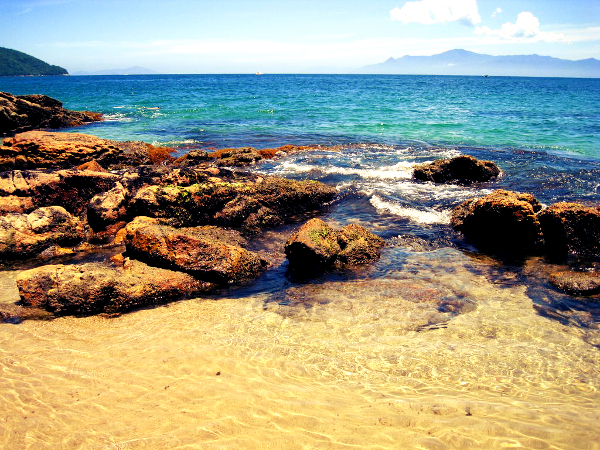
432 354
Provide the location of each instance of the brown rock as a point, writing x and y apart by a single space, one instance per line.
502 222
26 235
571 229
20 113
42 149
108 207
92 166
71 189
237 157
104 287
208 253
462 169
358 245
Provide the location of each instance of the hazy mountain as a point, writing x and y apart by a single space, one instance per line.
136 70
462 62
15 63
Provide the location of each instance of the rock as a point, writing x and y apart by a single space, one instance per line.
90 288
237 157
358 246
571 229
92 166
576 283
107 208
24 235
502 222
193 158
71 189
208 253
245 204
42 149
20 113
462 169
316 246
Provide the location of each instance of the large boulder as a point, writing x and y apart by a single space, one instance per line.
502 222
104 287
20 113
250 205
209 253
24 235
316 246
571 229
576 282
462 169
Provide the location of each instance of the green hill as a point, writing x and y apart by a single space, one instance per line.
14 63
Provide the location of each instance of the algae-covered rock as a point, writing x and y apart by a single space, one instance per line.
316 246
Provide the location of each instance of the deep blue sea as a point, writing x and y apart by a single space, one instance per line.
446 348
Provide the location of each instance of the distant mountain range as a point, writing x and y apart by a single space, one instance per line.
462 62
14 63
136 70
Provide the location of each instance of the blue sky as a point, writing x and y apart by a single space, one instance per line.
289 36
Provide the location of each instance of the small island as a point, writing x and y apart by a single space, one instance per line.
14 63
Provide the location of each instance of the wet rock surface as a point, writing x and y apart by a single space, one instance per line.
462 169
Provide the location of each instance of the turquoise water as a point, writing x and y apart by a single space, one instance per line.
556 115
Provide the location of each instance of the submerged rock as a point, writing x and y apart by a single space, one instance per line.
209 253
571 229
462 169
316 246
576 282
20 113
504 222
26 235
104 287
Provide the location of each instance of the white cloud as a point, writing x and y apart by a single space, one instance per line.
527 26
498 11
438 11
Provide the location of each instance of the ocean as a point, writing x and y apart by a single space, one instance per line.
444 348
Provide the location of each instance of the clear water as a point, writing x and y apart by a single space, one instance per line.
442 349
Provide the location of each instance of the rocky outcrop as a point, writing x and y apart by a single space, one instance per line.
571 230
23 191
237 157
208 253
42 149
20 113
250 205
502 222
316 246
104 287
462 169
23 235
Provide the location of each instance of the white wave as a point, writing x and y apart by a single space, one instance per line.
401 170
176 142
116 117
430 216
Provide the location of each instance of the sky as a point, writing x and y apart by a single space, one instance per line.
289 36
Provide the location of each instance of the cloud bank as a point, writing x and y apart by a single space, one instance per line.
527 26
438 11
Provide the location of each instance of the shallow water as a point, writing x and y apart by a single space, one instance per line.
369 362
